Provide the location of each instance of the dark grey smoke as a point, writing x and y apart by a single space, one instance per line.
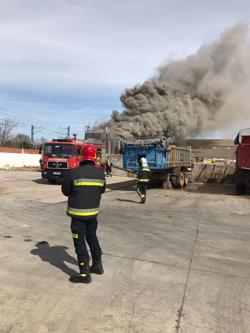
206 91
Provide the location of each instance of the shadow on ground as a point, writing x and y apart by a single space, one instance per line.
127 200
45 181
55 256
128 185
125 185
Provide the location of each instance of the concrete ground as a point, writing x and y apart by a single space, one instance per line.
179 263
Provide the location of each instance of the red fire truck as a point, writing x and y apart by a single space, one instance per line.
61 155
242 161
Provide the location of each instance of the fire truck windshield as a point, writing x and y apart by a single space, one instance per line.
59 150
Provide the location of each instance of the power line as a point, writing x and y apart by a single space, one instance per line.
17 115
25 121
27 124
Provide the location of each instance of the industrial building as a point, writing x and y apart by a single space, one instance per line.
212 148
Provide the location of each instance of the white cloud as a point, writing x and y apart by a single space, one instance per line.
96 41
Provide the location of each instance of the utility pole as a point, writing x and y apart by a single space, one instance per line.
63 132
32 136
108 141
68 132
86 129
33 131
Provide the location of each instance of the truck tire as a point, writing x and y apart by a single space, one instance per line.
173 181
177 181
185 178
240 188
180 179
241 182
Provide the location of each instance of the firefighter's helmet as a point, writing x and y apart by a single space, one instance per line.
143 161
89 153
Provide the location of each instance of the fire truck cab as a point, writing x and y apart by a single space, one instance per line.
59 156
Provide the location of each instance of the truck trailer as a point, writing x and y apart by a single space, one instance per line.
242 177
167 163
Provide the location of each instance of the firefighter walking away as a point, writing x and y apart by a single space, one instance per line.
143 177
83 186
109 167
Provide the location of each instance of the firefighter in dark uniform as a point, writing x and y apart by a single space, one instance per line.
84 186
143 177
109 166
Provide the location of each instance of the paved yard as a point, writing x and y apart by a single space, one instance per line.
180 263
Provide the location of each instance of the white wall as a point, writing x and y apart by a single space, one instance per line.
10 160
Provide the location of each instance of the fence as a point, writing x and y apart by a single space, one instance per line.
18 157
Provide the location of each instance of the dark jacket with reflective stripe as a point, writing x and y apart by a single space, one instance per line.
143 175
84 186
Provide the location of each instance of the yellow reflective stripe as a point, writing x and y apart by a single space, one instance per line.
83 275
143 180
71 212
141 195
88 184
74 235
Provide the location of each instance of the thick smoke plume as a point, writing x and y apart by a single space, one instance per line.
204 92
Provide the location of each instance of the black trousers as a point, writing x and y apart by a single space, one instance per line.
109 171
84 231
142 190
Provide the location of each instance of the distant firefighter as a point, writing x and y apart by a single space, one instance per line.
109 167
98 162
143 177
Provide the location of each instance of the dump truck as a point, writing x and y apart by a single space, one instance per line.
168 163
242 176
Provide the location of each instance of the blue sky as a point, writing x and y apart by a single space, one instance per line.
67 62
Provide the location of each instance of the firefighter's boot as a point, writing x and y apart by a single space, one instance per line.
84 274
96 267
143 200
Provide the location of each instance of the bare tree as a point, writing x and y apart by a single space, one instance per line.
40 142
6 127
21 141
